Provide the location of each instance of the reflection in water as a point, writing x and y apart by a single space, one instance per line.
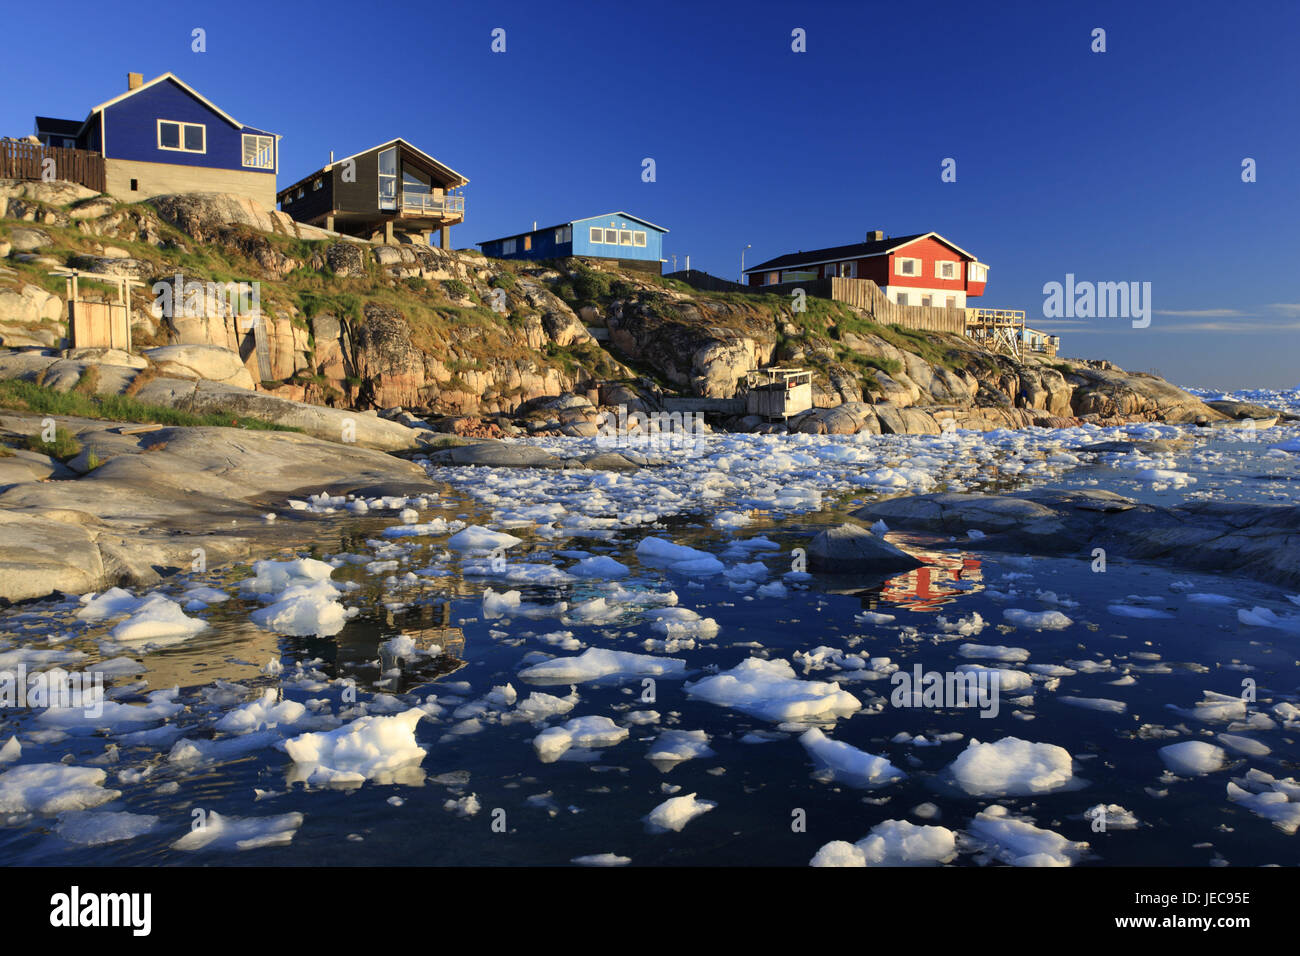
944 576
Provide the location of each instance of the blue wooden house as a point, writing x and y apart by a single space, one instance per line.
164 137
615 235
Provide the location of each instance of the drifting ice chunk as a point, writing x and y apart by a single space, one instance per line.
368 748
111 603
11 751
675 746
272 577
304 610
97 827
240 833
1113 816
675 812
682 622
892 843
1012 767
602 566
598 662
261 714
846 764
158 621
1037 620
52 788
1020 843
677 557
602 859
584 732
994 652
478 538
1277 801
770 690
1192 758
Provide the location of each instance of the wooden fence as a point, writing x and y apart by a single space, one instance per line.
28 161
864 294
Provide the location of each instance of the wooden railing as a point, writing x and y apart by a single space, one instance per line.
29 161
426 204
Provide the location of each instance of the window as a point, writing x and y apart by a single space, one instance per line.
638 238
563 234
388 178
135 185
926 301
951 302
907 267
259 151
611 236
182 137
903 298
597 234
946 270
508 247
978 272
625 237
300 193
528 243
318 184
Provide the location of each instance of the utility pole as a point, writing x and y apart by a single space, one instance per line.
742 262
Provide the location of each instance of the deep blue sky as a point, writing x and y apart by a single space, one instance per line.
1121 166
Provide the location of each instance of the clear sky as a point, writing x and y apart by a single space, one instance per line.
1117 166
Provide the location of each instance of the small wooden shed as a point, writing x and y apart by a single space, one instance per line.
778 392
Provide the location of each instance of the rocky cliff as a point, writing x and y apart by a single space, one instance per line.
360 326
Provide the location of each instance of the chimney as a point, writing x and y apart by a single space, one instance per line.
875 235
534 225
134 81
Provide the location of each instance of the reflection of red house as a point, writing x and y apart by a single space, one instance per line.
929 587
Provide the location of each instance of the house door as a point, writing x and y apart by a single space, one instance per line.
388 179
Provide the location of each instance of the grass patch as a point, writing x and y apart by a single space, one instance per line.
28 397
64 447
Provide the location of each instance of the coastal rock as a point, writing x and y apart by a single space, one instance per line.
210 362
850 548
1262 540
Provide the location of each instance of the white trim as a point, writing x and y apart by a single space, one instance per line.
625 215
382 146
956 271
883 252
181 148
898 267
179 82
592 237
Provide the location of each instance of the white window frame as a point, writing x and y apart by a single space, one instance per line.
181 139
257 150
608 240
625 237
639 238
952 264
597 236
898 267
978 272
507 247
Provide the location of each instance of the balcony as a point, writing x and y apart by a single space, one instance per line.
429 206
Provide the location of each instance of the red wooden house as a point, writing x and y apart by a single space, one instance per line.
924 269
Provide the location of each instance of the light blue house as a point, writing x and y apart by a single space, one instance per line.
615 235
